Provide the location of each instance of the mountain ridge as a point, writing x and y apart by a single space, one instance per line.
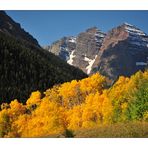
26 67
80 50
89 51
12 28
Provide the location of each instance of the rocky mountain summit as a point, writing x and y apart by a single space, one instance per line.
79 51
122 51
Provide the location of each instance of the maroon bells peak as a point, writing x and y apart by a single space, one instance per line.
122 51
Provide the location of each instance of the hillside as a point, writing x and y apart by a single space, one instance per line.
25 68
12 28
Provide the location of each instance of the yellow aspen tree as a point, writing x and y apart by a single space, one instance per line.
35 98
74 118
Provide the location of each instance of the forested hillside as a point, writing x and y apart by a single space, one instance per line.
84 108
25 68
14 29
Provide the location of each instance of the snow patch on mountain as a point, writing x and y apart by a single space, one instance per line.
90 62
136 36
135 43
63 48
100 34
128 24
70 61
133 30
72 39
141 64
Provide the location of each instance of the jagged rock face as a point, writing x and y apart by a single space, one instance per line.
124 51
63 47
10 27
87 49
80 51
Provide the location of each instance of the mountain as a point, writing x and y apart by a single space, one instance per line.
11 28
63 47
122 51
25 67
79 51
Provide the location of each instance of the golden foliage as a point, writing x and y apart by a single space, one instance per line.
72 106
35 98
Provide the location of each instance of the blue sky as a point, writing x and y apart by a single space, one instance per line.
49 26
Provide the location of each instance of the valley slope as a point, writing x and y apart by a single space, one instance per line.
25 66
